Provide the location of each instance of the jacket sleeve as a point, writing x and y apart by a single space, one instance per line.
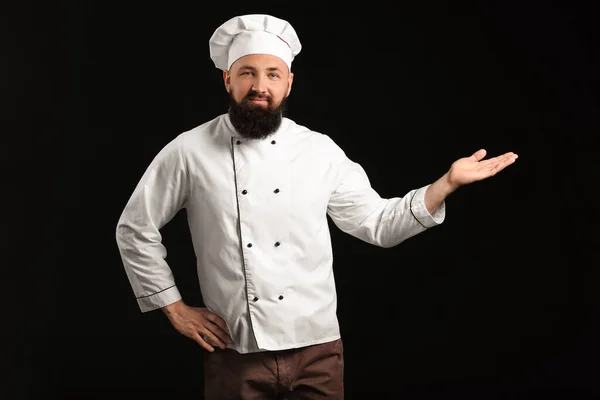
159 195
357 209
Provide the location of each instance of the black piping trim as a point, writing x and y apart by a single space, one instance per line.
237 199
413 214
160 291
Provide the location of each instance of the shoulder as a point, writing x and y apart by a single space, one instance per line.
186 142
202 131
202 138
318 141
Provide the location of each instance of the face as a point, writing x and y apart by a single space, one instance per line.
258 85
261 80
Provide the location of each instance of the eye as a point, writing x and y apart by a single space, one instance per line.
247 73
274 75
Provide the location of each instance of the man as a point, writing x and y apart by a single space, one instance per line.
257 188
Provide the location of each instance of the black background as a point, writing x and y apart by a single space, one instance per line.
500 302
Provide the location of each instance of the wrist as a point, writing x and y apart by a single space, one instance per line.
447 185
173 308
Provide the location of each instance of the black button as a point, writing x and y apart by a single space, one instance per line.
249 244
273 142
255 299
244 191
239 142
276 190
277 244
280 297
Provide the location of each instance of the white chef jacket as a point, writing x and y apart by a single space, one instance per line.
257 215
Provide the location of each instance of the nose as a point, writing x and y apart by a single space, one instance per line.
259 85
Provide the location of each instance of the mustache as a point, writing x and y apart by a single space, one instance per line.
255 95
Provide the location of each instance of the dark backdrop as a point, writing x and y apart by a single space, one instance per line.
500 302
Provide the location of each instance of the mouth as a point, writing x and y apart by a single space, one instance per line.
259 100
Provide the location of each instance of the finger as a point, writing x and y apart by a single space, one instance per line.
202 342
216 341
219 327
220 333
479 154
507 159
220 322
503 164
492 162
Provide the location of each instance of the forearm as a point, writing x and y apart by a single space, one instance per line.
437 192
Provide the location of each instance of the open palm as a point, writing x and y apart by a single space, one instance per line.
474 168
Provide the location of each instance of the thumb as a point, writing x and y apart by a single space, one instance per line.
479 154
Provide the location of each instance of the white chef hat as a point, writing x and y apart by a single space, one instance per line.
253 34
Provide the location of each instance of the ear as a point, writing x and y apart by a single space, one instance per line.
227 81
290 81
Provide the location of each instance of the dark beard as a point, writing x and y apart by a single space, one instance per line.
252 121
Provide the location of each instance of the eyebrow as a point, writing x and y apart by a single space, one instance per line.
254 69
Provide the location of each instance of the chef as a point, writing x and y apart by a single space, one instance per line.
257 188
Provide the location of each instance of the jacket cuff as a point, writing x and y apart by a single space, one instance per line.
420 212
159 299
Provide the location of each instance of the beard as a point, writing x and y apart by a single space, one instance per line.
253 121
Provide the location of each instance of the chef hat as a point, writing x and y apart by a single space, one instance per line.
253 34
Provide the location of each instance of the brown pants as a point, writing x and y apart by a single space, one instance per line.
313 372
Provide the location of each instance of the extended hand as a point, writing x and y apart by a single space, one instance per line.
196 322
470 169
